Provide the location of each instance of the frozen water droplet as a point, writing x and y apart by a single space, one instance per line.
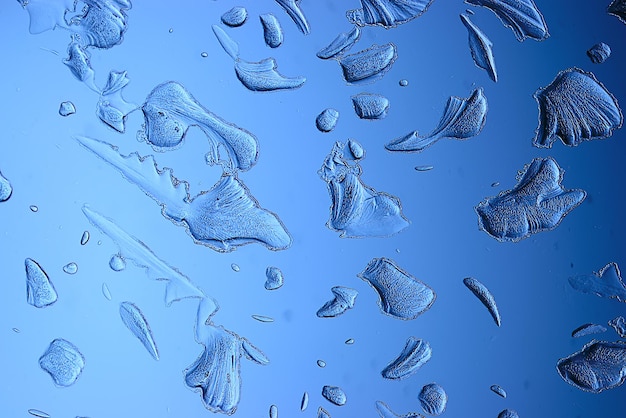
619 325
304 403
16 330
369 64
70 268
598 366
204 55
334 394
484 295
433 399
262 318
370 106
350 341
498 390
387 13
522 16
272 31
105 291
235 267
508 413
340 44
84 239
495 184
117 262
33 208
63 362
274 278
273 411
344 299
67 108
327 120
235 17
588 329
38 413
414 355
321 363
423 168
40 291
171 30
403 82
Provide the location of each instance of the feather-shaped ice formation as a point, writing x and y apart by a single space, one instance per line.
63 362
385 412
369 64
462 119
358 210
433 399
484 295
606 283
537 203
40 291
344 298
370 106
617 8
341 43
136 322
6 190
522 16
272 31
480 47
387 13
292 7
588 329
415 354
574 108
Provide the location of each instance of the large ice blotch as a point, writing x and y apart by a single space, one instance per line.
605 283
619 325
481 48
340 44
272 31
415 354
433 399
574 108
358 210
235 17
273 278
292 7
327 120
40 291
599 53
63 362
334 395
385 412
369 64
522 16
370 106
112 109
400 295
344 299
484 295
462 119
387 13
598 366
170 110
588 329
136 322
6 190
537 203
617 8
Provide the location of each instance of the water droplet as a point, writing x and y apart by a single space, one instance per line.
5 188
350 341
84 239
321 363
403 83
423 168
117 262
16 330
235 267
33 208
204 55
67 108
495 184
304 403
70 268
498 390
171 30
273 411
274 278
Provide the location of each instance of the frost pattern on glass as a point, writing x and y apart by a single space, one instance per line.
370 106
112 108
521 16
340 44
67 108
136 322
292 7
40 291
598 366
415 354
334 395
433 399
484 295
358 210
599 53
70 268
6 190
400 295
327 120
498 390
63 362
178 285
344 299
617 8
385 412
619 325
273 278
508 413
588 329
368 65
387 13
272 31
235 17
605 283
223 218
461 119
537 203
574 108
481 48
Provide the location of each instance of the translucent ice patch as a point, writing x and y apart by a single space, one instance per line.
484 295
292 7
498 390
112 109
178 285
400 295
102 23
334 395
370 106
385 412
273 278
117 262
606 283
537 203
272 31
461 119
369 64
344 299
235 17
599 53
588 329
327 120
508 413
574 108
415 354
481 48
78 61
223 218
433 399
136 322
63 362
6 190
106 292
598 366
619 325
70 268
357 210
66 109
40 291
387 13
341 43
169 111
617 8
47 14
522 16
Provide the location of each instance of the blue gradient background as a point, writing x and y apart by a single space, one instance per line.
443 245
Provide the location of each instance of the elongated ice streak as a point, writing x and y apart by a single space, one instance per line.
481 48
135 321
522 16
484 295
415 354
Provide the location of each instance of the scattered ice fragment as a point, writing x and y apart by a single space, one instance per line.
498 390
356 149
415 354
387 13
40 291
253 354
272 31
33 208
469 11
340 44
322 413
537 203
400 295
370 106
461 119
321 363
495 184
358 210
70 268
369 64
112 108
606 283
273 411
292 7
433 399
344 298
134 320
326 121
204 55
522 16
78 63
508 413
235 267
16 330
304 403
485 296
480 47
574 108
588 329
6 190
63 362
170 110
617 8
334 394
423 168
599 53
38 413
274 278
105 291
619 325
262 318
67 108
235 17
117 262
404 82
84 239
598 366
350 341
385 412
178 285
170 30
223 218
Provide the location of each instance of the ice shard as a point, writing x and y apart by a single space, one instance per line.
344 298
484 295
521 16
40 291
415 354
481 48
136 322
340 44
